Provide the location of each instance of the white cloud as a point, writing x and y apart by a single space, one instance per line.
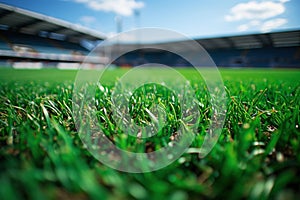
87 20
283 1
261 15
243 27
256 10
120 7
255 23
272 24
265 26
247 26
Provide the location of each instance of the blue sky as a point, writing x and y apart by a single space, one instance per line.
194 18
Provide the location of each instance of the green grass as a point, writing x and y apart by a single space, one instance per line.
257 155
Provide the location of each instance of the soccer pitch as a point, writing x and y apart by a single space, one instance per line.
257 155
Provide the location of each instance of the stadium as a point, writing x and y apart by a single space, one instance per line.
49 42
43 156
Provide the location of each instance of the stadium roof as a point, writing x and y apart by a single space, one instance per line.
274 39
17 19
288 38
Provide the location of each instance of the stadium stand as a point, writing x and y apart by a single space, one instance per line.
46 42
276 49
40 44
32 37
